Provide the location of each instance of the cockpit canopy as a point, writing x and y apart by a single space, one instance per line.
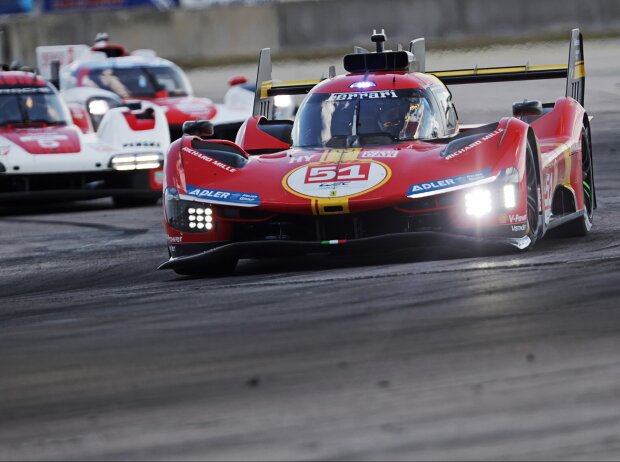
28 105
362 118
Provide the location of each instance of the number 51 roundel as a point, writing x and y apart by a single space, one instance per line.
321 179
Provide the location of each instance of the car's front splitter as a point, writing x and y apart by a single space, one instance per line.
383 243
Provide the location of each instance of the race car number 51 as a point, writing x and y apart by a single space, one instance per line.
326 173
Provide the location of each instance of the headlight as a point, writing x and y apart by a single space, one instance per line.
282 101
98 107
510 196
478 202
187 216
501 194
147 160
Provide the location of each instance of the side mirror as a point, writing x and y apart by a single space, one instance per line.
201 128
527 108
237 80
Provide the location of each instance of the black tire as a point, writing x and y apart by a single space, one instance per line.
130 201
534 221
224 267
581 226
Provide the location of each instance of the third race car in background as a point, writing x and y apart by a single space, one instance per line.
51 151
142 75
376 159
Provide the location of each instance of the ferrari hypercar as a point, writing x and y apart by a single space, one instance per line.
53 151
376 159
143 76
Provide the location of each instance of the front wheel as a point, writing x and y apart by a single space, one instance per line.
533 198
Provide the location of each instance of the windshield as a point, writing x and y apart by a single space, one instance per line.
139 82
364 118
28 105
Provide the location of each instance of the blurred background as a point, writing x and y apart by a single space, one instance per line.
196 33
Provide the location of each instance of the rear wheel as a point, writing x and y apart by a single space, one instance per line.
582 225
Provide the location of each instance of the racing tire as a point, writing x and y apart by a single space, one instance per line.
581 226
222 268
534 220
130 201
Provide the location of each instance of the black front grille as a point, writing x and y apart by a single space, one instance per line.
340 227
74 181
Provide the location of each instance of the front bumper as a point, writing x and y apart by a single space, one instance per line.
376 244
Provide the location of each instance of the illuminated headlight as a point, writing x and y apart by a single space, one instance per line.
478 202
200 218
137 162
282 101
98 107
510 196
185 215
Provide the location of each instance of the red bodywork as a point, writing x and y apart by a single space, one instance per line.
378 190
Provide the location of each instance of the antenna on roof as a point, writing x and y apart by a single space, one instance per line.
332 72
379 39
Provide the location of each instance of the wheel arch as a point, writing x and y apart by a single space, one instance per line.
587 126
533 143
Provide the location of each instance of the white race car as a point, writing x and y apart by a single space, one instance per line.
50 150
142 76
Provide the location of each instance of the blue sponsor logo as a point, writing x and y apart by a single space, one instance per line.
447 183
228 197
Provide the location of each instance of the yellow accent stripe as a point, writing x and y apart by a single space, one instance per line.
340 155
293 83
580 70
498 70
264 88
322 203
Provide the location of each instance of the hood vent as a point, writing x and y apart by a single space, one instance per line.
229 155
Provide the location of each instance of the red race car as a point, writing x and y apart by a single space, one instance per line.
376 159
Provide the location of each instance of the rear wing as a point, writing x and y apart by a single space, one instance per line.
574 72
266 88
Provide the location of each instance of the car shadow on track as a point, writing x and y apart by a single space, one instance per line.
320 262
29 208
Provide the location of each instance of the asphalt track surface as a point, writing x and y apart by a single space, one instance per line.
422 355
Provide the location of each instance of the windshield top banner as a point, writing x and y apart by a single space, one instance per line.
15 6
77 5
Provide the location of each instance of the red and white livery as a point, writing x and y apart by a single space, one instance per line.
53 151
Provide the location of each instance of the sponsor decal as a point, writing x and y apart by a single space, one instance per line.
519 228
210 160
547 187
301 159
175 239
329 180
224 197
447 183
366 95
25 91
142 144
517 218
474 144
49 141
4 150
378 154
